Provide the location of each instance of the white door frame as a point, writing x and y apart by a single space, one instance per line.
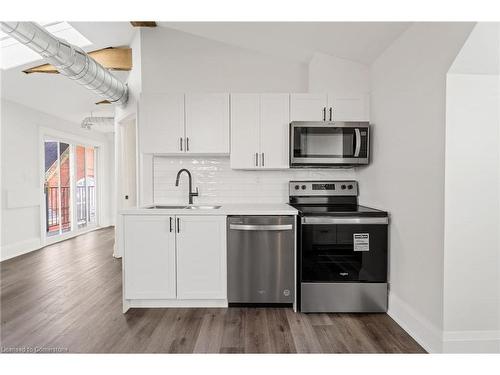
119 123
72 139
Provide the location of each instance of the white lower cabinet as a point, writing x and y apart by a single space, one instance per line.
149 257
201 257
171 259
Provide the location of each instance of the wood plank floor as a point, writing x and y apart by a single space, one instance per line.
68 296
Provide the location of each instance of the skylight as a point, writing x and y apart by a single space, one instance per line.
15 53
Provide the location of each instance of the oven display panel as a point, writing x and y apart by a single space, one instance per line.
323 186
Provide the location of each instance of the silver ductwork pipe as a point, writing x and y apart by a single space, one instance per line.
69 60
88 122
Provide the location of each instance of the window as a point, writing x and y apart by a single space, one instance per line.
85 186
15 54
70 187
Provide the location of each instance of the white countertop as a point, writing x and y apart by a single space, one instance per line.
226 209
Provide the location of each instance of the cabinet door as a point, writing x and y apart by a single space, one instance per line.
161 123
349 107
245 134
201 257
207 123
308 107
274 129
149 257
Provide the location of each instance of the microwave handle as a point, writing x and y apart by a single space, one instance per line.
357 149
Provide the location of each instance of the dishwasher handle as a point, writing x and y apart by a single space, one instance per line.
261 227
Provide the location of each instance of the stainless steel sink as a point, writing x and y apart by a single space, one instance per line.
202 207
165 207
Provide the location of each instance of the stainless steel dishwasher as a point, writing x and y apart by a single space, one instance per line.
260 259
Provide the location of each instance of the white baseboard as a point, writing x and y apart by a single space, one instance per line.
175 303
19 248
419 327
471 342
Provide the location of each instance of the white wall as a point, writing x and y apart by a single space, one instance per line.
126 113
134 80
21 164
406 176
471 275
332 74
174 61
472 196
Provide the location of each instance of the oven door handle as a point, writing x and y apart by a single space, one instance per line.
357 149
344 220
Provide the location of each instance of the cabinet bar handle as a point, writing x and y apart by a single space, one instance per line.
187 143
180 143
170 224
256 159
178 225
262 159
324 113
331 113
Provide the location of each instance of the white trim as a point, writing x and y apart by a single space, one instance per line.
471 341
183 303
420 328
118 168
19 248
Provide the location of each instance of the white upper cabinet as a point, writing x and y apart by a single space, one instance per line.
161 123
274 129
259 131
201 257
149 257
308 107
343 107
331 107
245 131
207 123
184 123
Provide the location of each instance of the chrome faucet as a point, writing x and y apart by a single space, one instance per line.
191 193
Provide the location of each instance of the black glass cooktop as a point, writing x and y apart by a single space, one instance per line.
338 210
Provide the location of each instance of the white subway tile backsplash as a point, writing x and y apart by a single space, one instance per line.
217 182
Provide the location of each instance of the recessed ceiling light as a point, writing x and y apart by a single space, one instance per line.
14 53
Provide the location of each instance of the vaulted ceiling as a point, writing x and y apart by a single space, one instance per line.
358 41
55 94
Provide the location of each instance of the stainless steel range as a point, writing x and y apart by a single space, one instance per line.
342 249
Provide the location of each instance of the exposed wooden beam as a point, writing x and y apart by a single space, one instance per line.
111 58
103 102
143 23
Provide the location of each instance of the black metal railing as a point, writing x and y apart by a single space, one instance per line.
52 211
85 206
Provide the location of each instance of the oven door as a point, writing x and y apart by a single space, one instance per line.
320 144
344 249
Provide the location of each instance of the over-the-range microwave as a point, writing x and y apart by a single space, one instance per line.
316 144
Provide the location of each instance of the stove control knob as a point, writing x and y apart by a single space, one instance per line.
350 187
303 187
343 187
296 187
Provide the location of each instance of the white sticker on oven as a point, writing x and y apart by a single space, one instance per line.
361 241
